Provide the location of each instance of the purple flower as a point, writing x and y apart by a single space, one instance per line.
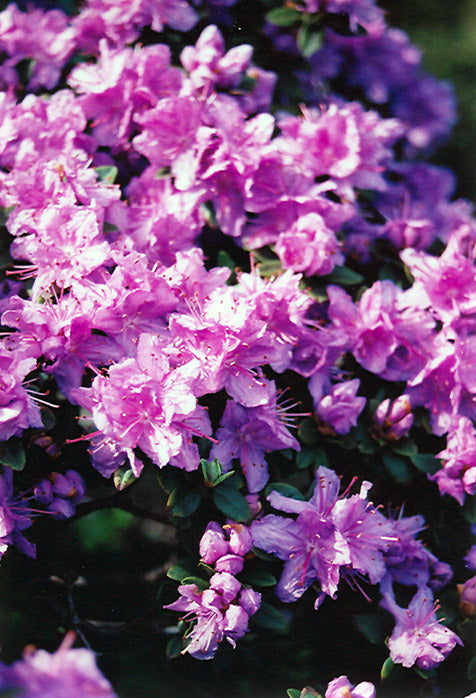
312 546
66 672
15 516
467 597
248 433
60 493
340 407
217 613
418 637
342 688
309 246
393 419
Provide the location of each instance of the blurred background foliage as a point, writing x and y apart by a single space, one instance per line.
446 34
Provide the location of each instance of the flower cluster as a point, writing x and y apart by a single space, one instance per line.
222 610
347 536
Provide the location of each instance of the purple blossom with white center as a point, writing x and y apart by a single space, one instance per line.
418 637
248 433
309 246
220 612
66 672
342 688
66 244
144 402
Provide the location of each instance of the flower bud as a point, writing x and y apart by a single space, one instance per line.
467 597
393 420
213 544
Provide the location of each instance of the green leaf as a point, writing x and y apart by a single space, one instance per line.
283 16
174 647
311 456
343 276
294 693
123 477
211 470
309 41
224 260
168 478
231 502
259 578
12 454
388 668
271 618
286 490
48 418
106 173
261 554
183 504
307 432
397 468
198 581
370 625
183 568
426 462
405 447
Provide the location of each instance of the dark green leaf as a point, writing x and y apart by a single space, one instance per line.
261 554
182 568
285 489
343 276
259 578
12 454
370 625
181 504
48 418
283 16
174 647
198 581
307 432
405 447
231 502
123 477
270 617
397 467
426 462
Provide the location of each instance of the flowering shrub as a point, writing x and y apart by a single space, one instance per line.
236 298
